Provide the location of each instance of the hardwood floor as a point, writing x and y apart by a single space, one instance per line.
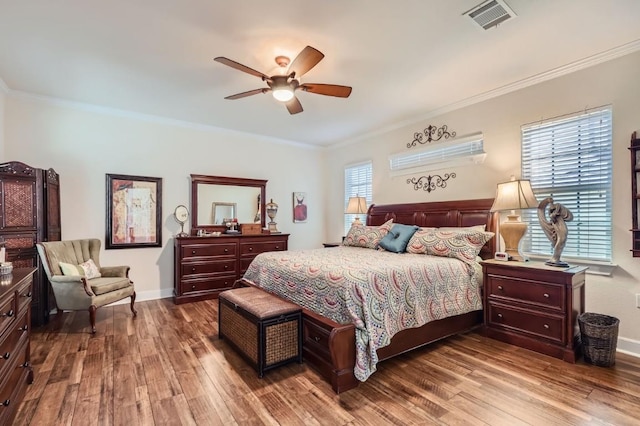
167 366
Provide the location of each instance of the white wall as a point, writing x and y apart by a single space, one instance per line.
614 82
83 145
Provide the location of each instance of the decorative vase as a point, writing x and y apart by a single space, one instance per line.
272 210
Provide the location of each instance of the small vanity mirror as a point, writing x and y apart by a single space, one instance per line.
223 212
215 198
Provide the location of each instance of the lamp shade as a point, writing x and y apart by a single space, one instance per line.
357 205
514 195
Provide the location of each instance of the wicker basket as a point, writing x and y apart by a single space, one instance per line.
599 337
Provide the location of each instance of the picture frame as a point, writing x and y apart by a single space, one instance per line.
134 211
299 207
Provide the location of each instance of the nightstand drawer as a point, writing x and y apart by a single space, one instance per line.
550 327
546 295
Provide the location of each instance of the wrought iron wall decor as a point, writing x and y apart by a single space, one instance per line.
431 134
430 183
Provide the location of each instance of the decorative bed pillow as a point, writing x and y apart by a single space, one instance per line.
90 269
367 236
463 244
397 238
482 227
71 269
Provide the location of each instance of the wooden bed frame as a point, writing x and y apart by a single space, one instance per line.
330 347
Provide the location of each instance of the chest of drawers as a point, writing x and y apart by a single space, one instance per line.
206 266
16 291
534 306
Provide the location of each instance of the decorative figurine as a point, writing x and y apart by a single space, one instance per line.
555 228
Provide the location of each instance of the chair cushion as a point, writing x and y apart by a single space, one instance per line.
104 285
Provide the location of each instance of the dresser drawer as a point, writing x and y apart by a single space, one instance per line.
253 248
547 326
9 342
24 295
208 250
7 312
546 295
16 379
207 284
192 269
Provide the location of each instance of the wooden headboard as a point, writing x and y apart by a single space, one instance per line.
442 213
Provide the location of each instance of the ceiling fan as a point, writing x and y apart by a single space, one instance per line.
283 86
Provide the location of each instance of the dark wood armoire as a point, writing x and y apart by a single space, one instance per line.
29 214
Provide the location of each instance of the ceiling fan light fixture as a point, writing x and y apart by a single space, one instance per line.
283 94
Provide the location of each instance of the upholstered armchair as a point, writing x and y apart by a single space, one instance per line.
79 285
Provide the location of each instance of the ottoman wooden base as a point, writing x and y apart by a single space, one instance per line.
264 329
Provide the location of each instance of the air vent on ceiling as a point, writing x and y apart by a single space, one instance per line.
490 13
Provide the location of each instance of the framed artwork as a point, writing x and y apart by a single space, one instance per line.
134 212
299 207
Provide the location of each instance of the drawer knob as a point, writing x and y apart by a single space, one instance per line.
546 295
250 248
226 250
6 402
546 326
26 365
6 355
499 315
193 287
24 328
226 266
8 314
193 252
500 288
316 338
26 295
193 269
277 247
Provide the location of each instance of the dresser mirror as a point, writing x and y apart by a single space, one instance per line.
215 198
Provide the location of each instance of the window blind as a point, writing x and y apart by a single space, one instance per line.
358 182
570 160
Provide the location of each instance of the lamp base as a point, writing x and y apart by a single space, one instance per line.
512 232
356 222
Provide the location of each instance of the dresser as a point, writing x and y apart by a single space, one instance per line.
534 306
206 266
16 291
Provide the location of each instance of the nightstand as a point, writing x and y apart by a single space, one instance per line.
331 244
534 306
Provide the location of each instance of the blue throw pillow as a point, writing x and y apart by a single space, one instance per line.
398 237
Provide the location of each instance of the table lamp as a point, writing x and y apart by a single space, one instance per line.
514 195
357 205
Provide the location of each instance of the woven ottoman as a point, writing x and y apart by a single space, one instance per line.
264 329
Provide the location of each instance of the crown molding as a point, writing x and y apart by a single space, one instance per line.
581 64
116 112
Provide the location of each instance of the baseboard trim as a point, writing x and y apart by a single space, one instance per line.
143 296
628 346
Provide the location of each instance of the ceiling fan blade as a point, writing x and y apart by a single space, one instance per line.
249 93
240 67
327 89
307 59
294 106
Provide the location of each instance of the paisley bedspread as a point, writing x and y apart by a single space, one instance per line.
380 292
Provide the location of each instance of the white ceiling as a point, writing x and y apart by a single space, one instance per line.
405 59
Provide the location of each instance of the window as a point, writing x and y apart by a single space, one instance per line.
358 180
570 159
459 152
